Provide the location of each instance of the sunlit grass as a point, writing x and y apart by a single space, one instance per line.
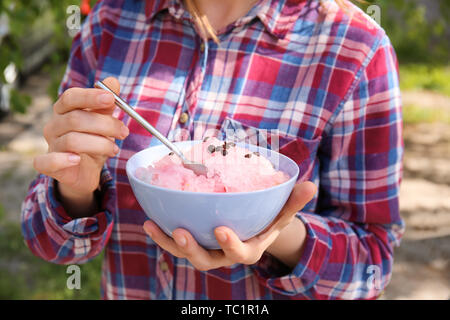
24 276
413 114
427 78
424 77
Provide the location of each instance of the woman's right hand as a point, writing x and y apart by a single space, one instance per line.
80 137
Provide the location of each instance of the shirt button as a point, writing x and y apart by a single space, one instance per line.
163 266
184 118
202 47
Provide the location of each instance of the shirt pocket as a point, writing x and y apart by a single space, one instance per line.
302 151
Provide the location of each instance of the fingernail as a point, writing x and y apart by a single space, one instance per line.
181 241
221 236
147 230
116 149
124 132
106 98
74 158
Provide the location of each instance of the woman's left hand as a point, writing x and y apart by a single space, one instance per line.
183 244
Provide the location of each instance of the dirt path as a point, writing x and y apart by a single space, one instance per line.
20 140
422 263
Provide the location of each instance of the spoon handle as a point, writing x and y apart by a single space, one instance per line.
136 116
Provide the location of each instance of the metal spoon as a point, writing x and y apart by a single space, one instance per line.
198 168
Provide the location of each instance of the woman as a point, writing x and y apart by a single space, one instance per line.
321 76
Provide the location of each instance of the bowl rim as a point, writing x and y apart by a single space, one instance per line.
222 194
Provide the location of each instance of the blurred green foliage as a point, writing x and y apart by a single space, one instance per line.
26 17
418 29
425 77
415 114
19 101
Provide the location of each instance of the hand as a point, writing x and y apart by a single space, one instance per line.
183 244
80 136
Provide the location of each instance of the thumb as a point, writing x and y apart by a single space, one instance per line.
301 194
113 84
51 163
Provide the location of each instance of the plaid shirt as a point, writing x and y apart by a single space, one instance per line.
325 83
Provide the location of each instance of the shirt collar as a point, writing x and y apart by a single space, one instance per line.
154 7
278 16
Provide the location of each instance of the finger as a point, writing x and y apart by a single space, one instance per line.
113 84
88 98
200 258
78 142
301 194
234 249
82 98
161 239
52 162
87 122
264 239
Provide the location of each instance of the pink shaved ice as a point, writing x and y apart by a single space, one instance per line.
238 170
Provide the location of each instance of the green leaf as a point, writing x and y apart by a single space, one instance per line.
19 101
2 213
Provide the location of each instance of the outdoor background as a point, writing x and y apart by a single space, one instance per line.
420 33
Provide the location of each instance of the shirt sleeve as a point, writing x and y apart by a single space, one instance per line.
48 231
54 236
348 252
